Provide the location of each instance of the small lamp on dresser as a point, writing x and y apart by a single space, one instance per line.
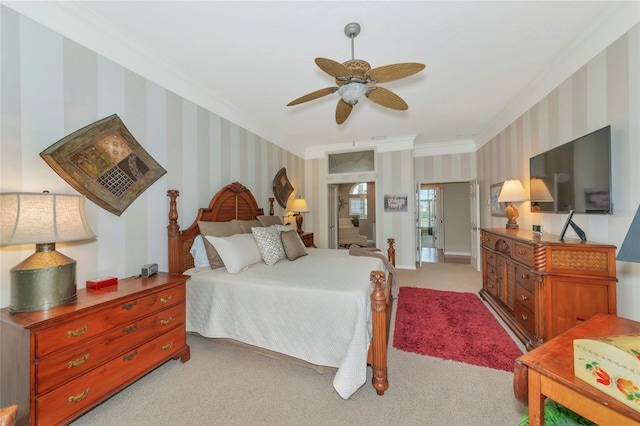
47 278
298 207
512 192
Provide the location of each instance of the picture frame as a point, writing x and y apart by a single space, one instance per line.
351 162
282 188
497 208
396 203
104 162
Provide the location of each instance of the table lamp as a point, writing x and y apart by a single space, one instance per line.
630 250
512 192
47 278
298 207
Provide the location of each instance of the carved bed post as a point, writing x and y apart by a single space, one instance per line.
391 253
174 232
271 200
379 381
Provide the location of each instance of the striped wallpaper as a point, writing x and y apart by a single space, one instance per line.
51 86
604 91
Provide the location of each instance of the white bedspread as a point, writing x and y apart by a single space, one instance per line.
316 308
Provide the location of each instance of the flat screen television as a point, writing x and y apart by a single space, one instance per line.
573 176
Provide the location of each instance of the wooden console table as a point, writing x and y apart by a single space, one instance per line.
547 371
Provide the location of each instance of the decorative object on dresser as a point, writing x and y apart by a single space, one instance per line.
282 188
299 206
630 250
512 192
47 278
548 371
104 162
540 286
60 363
575 227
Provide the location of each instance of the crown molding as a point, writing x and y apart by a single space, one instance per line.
460 146
400 143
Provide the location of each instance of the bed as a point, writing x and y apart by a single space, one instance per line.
335 317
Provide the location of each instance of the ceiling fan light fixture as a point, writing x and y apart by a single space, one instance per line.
352 92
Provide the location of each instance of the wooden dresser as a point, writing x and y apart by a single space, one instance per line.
541 286
60 363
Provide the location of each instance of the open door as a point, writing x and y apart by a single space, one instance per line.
474 204
418 226
332 216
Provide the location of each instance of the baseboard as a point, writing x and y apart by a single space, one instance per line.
454 253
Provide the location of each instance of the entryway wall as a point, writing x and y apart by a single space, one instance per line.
457 219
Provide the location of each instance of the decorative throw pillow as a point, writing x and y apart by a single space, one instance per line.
291 244
285 228
199 252
269 220
269 243
246 225
238 251
217 229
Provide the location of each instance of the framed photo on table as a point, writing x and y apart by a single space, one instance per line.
497 209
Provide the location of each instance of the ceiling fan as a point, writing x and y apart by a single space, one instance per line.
355 79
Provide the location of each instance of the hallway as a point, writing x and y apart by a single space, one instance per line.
430 254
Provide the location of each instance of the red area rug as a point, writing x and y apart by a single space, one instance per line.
454 326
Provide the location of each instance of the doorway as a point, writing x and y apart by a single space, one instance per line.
427 222
355 214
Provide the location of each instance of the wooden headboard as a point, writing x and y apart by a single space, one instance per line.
234 201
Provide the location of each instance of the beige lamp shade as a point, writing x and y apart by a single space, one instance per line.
539 191
300 205
512 192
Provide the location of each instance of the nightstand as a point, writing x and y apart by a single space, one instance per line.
307 239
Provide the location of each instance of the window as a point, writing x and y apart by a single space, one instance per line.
358 200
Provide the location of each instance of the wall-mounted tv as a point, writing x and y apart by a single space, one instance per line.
573 176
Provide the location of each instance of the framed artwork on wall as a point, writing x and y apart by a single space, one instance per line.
497 209
104 162
351 162
282 188
395 203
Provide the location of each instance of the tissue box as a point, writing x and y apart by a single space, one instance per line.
610 364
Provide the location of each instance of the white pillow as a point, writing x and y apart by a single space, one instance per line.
269 243
237 252
199 253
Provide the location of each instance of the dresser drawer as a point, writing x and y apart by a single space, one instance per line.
525 318
490 257
526 298
84 392
489 240
85 327
523 253
525 278
69 363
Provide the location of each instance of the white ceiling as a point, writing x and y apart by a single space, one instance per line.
246 60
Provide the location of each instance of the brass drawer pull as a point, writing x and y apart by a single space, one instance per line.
79 332
525 276
78 362
130 356
523 297
521 251
79 397
166 321
128 330
524 317
167 347
129 306
165 299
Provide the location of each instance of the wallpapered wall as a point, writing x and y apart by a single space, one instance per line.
604 91
51 86
446 168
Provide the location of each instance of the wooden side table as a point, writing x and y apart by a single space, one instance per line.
547 371
307 239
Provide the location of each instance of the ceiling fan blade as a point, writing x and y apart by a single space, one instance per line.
333 68
313 95
387 98
342 111
395 71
